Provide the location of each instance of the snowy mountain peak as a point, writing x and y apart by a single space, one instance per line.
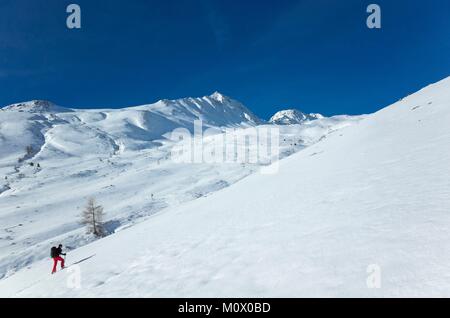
219 97
214 110
292 117
37 106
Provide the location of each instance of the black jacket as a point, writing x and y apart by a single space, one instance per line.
57 252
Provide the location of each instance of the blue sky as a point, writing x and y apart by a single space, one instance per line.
315 55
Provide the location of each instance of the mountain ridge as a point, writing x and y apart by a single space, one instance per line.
190 104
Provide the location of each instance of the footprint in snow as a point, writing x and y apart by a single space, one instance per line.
316 153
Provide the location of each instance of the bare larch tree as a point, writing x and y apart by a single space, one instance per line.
92 217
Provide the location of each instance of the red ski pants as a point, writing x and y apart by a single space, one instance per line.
55 263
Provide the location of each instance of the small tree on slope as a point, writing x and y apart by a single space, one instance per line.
93 218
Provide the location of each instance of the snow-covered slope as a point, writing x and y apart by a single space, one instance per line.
374 195
121 156
292 117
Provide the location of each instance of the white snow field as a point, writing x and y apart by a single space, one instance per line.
121 157
374 195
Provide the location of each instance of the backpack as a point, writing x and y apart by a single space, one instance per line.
53 252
